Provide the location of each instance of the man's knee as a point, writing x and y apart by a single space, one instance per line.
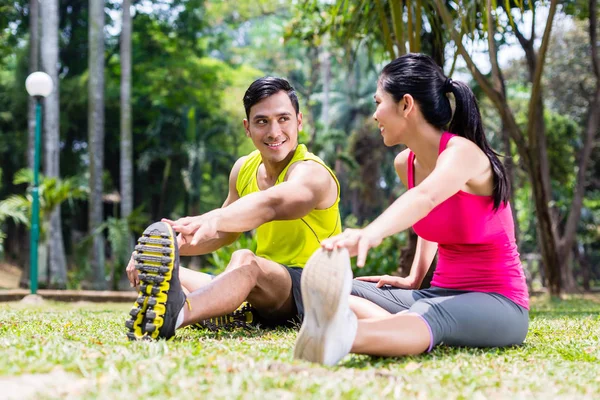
240 258
251 272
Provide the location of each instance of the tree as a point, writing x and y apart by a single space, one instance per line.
96 137
58 261
34 56
556 244
350 23
126 139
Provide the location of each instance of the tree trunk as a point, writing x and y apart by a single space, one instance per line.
56 248
96 137
546 231
584 265
34 65
126 137
568 282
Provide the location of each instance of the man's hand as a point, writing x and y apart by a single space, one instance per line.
200 228
357 241
132 273
396 281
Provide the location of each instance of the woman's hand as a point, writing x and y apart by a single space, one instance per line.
395 281
357 241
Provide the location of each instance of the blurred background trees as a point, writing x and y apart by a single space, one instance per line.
149 109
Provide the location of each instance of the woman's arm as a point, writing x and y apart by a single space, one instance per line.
456 166
423 257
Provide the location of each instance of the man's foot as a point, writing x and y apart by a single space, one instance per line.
161 298
329 326
243 317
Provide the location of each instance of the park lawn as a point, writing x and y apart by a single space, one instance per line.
61 350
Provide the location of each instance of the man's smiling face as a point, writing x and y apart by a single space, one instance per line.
273 126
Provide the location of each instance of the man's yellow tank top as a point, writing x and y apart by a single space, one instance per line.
290 242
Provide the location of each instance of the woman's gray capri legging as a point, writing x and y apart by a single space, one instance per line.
455 317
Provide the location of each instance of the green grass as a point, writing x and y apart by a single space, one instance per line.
80 351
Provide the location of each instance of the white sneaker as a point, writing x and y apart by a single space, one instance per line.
329 326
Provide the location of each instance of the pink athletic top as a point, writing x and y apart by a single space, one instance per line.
477 250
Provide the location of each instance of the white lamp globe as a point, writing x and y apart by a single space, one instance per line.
39 84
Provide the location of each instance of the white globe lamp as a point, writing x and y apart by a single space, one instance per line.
39 84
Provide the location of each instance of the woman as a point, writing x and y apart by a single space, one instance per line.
457 203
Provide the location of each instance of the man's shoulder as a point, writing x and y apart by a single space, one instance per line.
308 164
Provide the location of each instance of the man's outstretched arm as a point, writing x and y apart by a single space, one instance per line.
208 246
308 186
222 239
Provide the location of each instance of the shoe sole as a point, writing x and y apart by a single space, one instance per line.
322 285
243 317
155 255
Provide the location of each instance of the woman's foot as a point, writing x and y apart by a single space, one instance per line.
329 326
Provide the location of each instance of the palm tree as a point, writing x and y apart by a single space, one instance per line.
58 260
126 139
34 65
96 135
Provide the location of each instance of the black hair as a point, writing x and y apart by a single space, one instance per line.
419 76
267 86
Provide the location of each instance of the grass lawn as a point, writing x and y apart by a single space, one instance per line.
60 350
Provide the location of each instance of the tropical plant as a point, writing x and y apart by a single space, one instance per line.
52 193
10 209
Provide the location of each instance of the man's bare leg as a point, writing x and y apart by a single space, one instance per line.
193 280
265 284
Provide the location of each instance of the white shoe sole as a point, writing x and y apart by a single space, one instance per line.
326 285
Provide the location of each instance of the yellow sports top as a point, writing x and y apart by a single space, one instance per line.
290 242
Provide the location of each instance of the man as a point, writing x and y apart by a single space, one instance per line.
284 192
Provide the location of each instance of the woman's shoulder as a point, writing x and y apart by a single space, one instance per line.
462 143
401 166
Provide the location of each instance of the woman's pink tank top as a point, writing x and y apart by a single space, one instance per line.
476 245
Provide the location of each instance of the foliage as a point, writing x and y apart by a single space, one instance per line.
52 192
11 208
194 59
382 259
82 348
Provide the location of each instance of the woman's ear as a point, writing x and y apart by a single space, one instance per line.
408 104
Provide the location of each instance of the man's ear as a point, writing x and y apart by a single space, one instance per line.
247 127
299 116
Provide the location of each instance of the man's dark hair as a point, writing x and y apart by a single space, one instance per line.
268 86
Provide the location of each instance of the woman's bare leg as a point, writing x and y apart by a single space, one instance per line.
364 308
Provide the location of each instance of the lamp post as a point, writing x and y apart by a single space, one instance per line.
38 85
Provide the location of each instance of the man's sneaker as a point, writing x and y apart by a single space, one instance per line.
244 317
329 326
161 298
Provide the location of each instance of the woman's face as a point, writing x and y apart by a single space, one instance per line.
390 118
